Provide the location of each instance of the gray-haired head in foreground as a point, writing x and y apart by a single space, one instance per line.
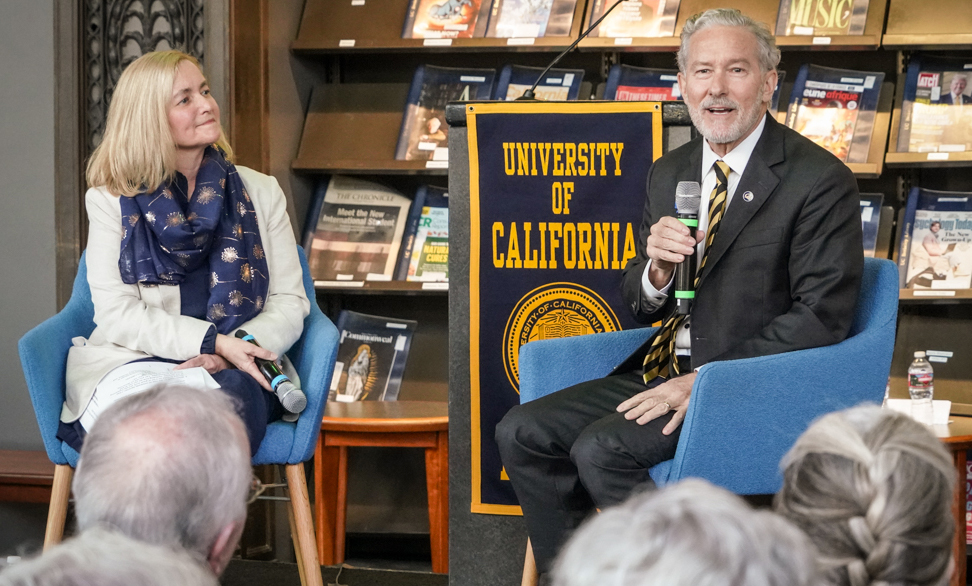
873 489
688 534
769 54
169 466
105 558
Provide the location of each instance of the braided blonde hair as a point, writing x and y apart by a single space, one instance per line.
873 489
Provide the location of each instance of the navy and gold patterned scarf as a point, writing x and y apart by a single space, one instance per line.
166 235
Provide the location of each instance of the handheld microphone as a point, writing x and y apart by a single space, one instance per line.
529 95
292 398
688 199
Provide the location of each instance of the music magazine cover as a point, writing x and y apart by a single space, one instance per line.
446 19
425 134
371 357
935 251
558 85
530 18
354 230
633 18
835 108
821 17
936 112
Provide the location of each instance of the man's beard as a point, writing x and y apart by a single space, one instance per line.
745 120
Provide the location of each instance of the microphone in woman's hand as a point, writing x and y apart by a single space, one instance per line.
292 398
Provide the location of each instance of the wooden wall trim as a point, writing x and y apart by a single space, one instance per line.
70 217
249 82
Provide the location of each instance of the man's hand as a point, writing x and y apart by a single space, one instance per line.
213 363
241 354
667 246
672 395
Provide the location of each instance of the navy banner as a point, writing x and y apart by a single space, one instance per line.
556 193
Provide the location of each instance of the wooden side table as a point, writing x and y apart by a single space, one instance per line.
957 437
402 424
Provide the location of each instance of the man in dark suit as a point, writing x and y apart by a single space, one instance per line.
956 94
779 247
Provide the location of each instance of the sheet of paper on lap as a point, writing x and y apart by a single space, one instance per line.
136 377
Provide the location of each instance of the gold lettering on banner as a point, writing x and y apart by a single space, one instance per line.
563 244
562 159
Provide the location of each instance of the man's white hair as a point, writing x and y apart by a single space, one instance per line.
687 534
769 54
169 466
107 558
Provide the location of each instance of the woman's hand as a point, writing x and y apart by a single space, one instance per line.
241 354
213 363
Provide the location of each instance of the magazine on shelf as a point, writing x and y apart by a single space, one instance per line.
936 112
557 86
425 134
871 220
935 250
634 18
371 356
354 230
626 83
429 259
446 19
530 18
821 17
835 108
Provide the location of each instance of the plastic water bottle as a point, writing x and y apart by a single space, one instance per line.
921 387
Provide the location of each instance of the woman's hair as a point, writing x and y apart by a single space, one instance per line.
137 152
873 489
687 534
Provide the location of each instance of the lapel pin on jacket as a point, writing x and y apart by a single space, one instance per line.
748 196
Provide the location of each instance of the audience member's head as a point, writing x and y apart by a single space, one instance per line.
873 489
107 558
170 466
688 534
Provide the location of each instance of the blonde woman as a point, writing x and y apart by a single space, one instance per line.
184 248
873 489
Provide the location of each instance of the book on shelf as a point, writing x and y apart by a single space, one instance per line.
835 108
871 220
634 18
530 18
935 249
424 134
821 17
446 19
557 85
936 109
428 256
627 83
354 230
371 356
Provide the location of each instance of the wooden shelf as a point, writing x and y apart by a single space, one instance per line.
336 26
382 287
928 24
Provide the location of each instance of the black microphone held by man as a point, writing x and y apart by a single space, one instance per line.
688 199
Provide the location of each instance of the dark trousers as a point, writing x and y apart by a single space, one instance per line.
571 451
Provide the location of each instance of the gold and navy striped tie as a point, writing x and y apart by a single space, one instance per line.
663 346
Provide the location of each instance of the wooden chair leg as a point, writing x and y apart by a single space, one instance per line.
437 481
326 465
341 506
296 537
57 513
530 575
304 525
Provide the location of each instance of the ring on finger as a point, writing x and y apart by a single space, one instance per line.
668 407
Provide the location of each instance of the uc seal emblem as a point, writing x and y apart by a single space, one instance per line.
555 310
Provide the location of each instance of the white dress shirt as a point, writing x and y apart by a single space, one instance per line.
737 159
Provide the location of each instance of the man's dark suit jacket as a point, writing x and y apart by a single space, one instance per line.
784 271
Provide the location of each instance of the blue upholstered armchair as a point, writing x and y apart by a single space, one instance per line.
744 414
43 354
